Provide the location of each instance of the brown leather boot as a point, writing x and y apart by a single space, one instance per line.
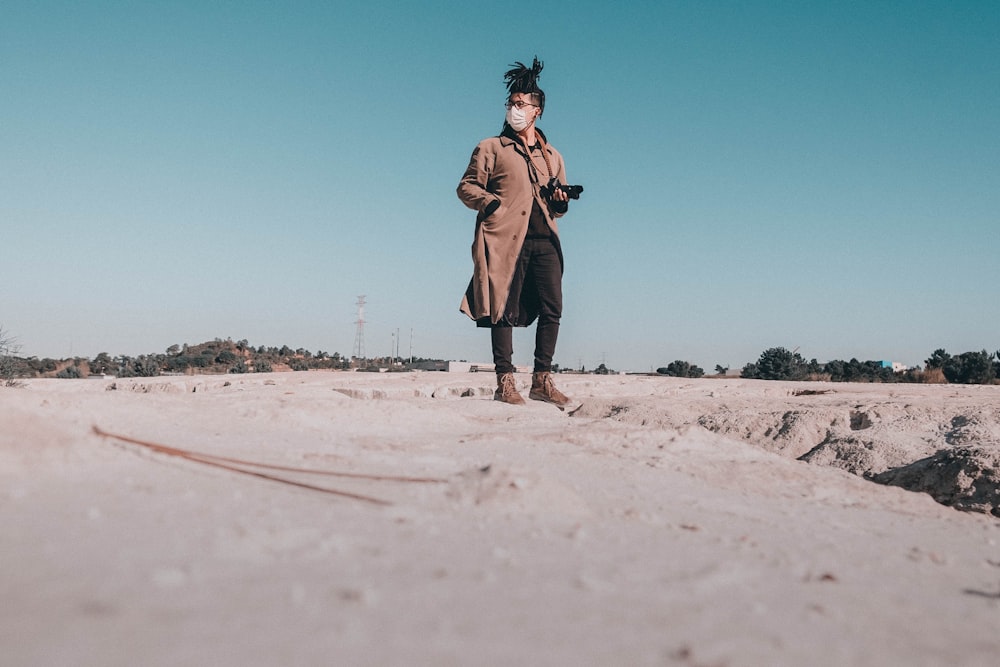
542 389
507 390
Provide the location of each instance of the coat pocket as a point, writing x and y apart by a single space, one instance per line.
492 214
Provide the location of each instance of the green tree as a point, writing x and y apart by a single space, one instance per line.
102 364
147 366
125 367
777 363
836 369
970 368
938 359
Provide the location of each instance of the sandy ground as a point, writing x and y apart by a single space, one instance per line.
666 522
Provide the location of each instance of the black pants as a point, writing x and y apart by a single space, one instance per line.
543 275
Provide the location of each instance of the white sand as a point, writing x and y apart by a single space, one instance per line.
625 534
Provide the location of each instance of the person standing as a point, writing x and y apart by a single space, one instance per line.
516 254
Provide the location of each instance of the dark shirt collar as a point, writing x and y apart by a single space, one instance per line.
509 134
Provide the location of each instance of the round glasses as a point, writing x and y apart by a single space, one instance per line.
520 104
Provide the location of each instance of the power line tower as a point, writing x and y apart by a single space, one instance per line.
359 333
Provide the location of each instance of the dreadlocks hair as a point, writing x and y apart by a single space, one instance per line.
522 79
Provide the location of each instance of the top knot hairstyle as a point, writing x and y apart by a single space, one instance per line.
524 79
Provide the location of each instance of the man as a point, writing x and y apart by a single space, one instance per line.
517 258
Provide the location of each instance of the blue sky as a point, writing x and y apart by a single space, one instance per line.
814 175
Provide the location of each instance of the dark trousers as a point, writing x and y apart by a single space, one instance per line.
543 276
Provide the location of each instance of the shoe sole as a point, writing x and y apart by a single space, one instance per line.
546 399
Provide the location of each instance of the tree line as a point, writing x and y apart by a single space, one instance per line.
213 357
778 363
225 356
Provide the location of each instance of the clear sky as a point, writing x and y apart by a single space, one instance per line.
814 175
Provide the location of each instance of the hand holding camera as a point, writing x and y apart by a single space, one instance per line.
553 186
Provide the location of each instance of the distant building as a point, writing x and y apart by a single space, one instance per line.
894 365
461 367
476 367
434 365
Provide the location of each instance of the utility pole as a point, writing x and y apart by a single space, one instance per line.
359 332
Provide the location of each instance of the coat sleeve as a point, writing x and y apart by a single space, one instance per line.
472 189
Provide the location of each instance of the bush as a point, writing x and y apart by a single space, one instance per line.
777 363
970 368
931 376
8 362
859 371
70 373
681 369
225 357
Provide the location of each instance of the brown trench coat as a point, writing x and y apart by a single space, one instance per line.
499 172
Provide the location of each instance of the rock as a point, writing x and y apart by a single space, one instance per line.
964 477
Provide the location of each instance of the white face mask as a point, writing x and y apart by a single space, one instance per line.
517 118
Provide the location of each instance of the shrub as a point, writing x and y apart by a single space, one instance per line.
777 363
225 357
859 371
681 369
932 376
8 362
70 373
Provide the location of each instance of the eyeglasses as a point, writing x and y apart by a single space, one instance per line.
520 104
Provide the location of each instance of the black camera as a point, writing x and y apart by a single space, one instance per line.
572 191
